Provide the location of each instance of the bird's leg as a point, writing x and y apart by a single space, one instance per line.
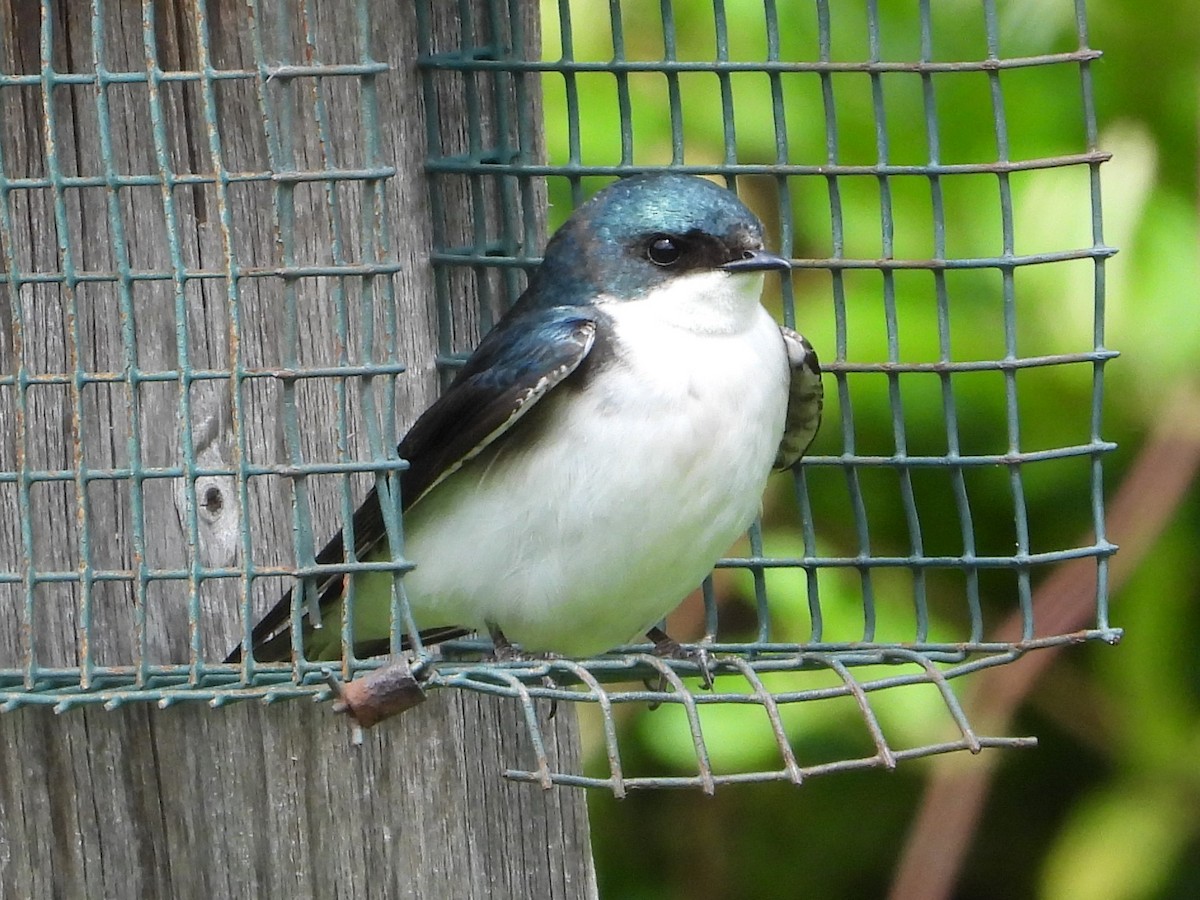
669 648
503 650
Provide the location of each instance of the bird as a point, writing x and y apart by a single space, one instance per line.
606 442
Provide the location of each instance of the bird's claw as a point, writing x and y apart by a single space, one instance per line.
550 684
504 650
508 653
667 647
698 656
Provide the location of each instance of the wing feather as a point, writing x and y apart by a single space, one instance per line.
806 400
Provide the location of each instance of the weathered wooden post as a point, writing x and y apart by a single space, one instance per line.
190 205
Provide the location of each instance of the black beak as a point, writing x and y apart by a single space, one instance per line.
757 261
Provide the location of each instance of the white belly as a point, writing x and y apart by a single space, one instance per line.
584 539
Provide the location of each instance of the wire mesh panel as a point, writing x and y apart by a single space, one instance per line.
880 568
201 333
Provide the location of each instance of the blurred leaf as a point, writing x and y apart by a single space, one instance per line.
1120 843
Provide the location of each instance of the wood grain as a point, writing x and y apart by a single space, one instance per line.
247 800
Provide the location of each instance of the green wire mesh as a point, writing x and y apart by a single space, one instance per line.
203 283
137 285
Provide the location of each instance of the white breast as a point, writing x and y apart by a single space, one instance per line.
584 539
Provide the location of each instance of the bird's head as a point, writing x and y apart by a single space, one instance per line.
642 233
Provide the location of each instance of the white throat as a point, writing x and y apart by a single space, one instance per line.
711 302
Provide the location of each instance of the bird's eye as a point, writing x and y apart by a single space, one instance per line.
663 251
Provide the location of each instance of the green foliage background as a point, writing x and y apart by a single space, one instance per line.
1109 805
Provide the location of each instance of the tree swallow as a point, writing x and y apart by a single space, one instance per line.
606 442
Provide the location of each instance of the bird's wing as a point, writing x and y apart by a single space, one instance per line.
806 399
515 365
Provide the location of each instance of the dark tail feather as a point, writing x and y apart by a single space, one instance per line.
263 636
272 636
382 646
278 647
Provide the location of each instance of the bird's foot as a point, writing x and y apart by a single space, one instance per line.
504 650
667 647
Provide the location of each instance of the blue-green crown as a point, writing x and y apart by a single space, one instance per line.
598 250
